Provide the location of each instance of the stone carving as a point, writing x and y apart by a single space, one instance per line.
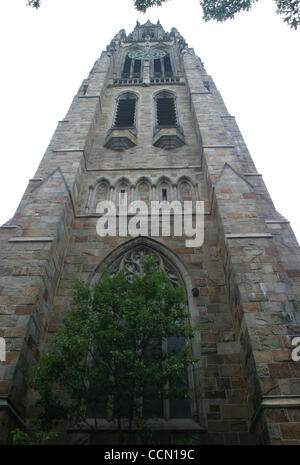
131 264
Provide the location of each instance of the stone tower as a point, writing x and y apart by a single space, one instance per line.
148 123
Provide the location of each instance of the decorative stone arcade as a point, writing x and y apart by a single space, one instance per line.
149 122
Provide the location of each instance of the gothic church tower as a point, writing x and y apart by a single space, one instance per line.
149 124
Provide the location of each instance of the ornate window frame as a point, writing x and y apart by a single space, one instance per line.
198 421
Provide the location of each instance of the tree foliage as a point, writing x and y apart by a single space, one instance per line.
107 359
221 10
34 3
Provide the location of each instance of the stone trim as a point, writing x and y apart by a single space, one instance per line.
280 401
252 174
89 96
175 424
228 116
6 404
218 146
277 221
194 92
147 168
227 165
249 236
67 150
31 239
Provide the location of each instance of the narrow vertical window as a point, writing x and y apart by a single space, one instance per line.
127 67
164 195
125 115
167 66
165 110
137 68
122 197
157 67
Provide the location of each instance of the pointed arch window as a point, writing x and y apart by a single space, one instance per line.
162 67
125 113
168 409
131 68
166 110
168 133
143 190
168 414
123 192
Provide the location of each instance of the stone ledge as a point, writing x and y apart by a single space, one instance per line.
67 150
218 146
194 92
252 174
280 401
249 236
168 138
120 139
176 424
89 96
31 239
277 221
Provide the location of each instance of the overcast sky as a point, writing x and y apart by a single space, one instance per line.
46 53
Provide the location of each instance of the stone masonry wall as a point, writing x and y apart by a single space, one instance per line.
245 387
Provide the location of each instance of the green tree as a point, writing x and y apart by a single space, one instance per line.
34 3
107 360
221 10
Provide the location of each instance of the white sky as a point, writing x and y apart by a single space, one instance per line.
46 53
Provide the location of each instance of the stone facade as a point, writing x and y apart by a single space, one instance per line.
245 387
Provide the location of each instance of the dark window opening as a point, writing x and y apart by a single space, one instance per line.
166 114
179 408
137 68
127 66
122 197
157 66
164 194
167 65
125 113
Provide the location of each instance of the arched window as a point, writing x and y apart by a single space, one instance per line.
166 110
123 192
162 67
101 192
127 258
125 113
164 190
132 68
130 263
186 190
143 190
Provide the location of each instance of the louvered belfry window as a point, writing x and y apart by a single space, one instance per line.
166 111
125 116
